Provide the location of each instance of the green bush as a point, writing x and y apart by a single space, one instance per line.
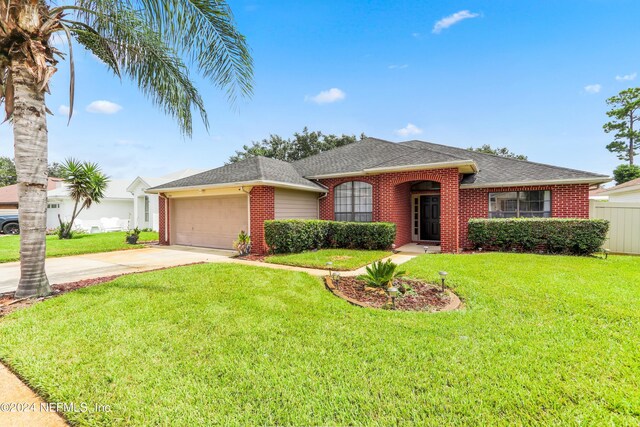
553 235
298 235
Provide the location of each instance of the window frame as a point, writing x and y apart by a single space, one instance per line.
355 202
518 199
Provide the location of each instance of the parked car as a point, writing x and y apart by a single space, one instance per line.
9 224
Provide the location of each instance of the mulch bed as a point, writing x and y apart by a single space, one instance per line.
9 303
419 295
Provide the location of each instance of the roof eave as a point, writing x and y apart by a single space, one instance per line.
404 168
238 184
591 180
615 190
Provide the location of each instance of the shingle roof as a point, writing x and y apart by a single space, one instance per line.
372 153
500 170
248 170
369 153
622 186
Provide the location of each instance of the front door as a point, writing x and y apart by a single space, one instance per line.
430 218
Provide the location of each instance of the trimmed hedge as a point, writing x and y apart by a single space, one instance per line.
553 235
298 235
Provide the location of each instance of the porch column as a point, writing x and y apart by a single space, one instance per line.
450 212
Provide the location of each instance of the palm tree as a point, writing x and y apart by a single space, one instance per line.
86 184
153 42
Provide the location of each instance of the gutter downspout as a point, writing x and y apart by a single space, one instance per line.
248 193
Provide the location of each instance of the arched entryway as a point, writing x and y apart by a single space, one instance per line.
425 211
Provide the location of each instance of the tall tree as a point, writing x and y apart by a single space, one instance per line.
55 170
7 172
624 173
152 42
86 184
625 112
302 145
498 151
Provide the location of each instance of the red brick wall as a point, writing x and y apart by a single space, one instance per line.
262 206
163 223
392 202
567 201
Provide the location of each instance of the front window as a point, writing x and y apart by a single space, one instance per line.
353 202
516 204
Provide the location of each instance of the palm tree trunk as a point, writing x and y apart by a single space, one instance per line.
30 145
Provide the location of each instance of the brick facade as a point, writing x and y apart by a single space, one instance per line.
567 201
262 208
392 203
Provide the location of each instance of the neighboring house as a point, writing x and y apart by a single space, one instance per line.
145 206
9 196
597 194
628 192
114 212
429 191
124 206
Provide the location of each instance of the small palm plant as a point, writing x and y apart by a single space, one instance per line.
86 184
243 244
381 274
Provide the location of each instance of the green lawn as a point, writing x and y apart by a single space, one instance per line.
543 340
80 244
342 259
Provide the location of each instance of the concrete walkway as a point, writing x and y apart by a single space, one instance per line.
29 412
89 266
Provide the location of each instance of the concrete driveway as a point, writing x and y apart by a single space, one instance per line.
80 267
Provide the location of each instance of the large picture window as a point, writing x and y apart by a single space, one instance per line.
515 204
353 202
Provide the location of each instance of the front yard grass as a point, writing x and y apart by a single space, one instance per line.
544 340
80 244
342 259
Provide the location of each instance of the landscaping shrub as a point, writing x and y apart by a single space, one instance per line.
553 235
297 235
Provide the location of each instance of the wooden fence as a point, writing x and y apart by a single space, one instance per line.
624 225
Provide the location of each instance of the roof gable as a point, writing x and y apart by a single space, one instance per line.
497 170
251 170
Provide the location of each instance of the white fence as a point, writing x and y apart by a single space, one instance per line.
624 225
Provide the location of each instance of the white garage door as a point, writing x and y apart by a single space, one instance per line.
212 222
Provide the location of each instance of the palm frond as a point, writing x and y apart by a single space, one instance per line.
203 30
128 45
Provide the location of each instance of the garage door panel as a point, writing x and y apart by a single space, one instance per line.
209 222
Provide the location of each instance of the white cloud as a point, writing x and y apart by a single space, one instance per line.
594 88
327 96
416 35
627 77
410 129
450 20
398 66
64 110
103 107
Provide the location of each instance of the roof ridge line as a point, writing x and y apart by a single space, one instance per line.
506 158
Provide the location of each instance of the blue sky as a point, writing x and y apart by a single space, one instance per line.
529 75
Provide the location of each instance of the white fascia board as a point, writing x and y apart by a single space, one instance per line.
540 182
238 184
373 171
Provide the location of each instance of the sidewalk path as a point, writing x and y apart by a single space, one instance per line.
90 266
13 391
